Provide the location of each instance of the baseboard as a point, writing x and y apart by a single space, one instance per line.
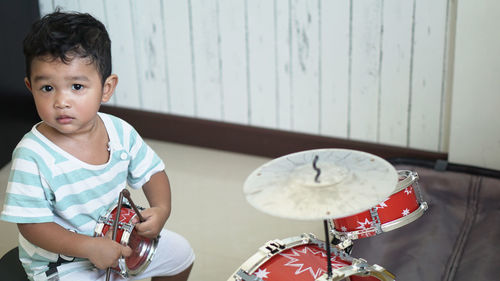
247 139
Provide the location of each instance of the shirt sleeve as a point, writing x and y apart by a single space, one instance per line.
27 198
144 162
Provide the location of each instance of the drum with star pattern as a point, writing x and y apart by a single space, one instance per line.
403 206
303 258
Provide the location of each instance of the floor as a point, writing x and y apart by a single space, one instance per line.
208 208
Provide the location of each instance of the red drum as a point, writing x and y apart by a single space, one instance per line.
303 258
403 206
143 248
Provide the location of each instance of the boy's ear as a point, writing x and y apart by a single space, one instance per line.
109 87
27 83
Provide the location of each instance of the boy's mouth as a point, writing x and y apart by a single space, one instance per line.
64 119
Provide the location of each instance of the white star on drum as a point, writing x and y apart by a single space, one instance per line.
262 273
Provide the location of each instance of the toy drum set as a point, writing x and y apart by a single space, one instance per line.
354 193
123 232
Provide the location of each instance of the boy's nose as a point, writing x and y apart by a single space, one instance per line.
61 101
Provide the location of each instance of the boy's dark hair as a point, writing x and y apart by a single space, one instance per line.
65 35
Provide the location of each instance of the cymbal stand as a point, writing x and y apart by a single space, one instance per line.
325 223
328 252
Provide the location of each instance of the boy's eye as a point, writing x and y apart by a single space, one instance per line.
47 88
77 87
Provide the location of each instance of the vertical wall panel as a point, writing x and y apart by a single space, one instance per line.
448 75
426 90
261 66
475 120
334 59
372 71
96 9
45 7
207 61
233 60
120 30
150 54
366 36
305 65
67 5
395 72
178 51
282 23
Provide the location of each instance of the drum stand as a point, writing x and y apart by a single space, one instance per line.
342 273
329 276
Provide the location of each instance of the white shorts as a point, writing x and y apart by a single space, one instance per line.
172 256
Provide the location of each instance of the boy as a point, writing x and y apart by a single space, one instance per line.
70 168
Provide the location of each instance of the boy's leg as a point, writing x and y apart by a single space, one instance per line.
172 259
183 276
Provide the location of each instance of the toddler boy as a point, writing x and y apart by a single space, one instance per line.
70 168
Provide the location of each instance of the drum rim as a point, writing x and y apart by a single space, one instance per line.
149 258
410 178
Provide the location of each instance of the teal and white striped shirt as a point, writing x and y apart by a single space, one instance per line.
47 184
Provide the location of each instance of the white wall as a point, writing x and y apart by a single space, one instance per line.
363 70
475 119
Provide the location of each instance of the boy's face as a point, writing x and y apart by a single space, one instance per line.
68 95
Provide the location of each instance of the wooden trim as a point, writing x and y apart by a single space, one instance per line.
248 139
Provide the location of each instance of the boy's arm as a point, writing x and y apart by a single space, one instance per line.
157 191
101 251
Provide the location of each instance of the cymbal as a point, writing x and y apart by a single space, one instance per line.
348 182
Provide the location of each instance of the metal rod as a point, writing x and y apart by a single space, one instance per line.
126 193
328 253
115 228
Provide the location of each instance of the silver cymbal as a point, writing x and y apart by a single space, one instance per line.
348 182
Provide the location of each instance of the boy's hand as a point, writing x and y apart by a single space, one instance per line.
104 252
155 218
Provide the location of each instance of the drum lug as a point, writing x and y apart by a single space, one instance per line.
273 247
362 264
424 206
109 221
343 244
123 267
128 227
244 276
376 220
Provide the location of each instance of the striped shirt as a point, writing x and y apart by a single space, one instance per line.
47 184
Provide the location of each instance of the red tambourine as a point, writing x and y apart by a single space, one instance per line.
143 248
303 258
403 206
